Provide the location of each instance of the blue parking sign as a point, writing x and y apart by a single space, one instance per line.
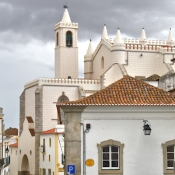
71 169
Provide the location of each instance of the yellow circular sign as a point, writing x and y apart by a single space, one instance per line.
89 162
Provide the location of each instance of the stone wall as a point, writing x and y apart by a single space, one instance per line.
22 112
38 125
73 137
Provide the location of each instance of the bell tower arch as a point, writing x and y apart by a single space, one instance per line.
66 48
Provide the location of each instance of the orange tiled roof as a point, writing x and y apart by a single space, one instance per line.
29 119
14 145
32 132
127 91
50 131
11 131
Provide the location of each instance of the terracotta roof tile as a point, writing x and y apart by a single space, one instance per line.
32 132
125 92
14 145
30 120
11 132
50 131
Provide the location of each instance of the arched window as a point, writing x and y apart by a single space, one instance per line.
110 157
69 39
57 39
102 62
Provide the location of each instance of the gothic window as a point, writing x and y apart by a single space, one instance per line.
69 39
63 98
110 157
102 62
57 39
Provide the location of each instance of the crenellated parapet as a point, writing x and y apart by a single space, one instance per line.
61 81
65 24
136 41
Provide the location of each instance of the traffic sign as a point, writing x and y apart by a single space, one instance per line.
71 169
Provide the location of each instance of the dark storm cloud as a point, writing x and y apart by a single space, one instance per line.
37 18
27 35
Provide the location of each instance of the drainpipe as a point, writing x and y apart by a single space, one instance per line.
84 147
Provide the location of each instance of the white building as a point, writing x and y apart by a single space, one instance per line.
111 132
52 151
110 61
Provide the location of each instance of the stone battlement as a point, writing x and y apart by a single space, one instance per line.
62 81
136 46
63 24
136 41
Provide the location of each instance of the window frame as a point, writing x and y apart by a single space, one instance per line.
167 170
118 170
110 159
50 171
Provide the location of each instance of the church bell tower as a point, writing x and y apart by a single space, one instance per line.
66 48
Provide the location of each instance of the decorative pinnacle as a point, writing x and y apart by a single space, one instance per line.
104 24
90 40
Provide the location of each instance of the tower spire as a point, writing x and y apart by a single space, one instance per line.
90 50
143 37
170 40
118 38
105 33
66 17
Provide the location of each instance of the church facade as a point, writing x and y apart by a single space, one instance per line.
111 60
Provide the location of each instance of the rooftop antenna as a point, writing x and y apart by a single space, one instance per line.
65 6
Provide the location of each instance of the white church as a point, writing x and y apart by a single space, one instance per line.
111 60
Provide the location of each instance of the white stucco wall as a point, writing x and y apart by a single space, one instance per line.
53 152
49 150
142 154
112 75
97 70
146 65
26 146
13 152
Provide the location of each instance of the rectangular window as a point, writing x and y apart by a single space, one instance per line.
49 158
110 157
170 157
43 157
49 171
50 142
44 171
44 145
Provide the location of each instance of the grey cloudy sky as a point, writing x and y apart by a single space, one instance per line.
27 36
